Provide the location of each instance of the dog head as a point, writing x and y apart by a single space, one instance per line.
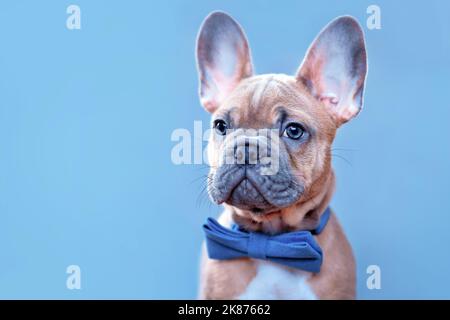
293 118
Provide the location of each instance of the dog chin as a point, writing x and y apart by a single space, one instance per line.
254 209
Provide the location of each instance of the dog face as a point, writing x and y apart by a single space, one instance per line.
265 119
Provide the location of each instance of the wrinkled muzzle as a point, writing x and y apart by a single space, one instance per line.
254 172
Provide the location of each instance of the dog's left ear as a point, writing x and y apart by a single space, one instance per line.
335 67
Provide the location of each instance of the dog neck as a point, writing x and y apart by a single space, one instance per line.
304 215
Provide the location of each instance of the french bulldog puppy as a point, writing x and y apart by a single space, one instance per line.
306 110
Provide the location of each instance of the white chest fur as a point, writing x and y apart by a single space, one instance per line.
276 282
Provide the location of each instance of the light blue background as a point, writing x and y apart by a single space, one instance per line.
86 118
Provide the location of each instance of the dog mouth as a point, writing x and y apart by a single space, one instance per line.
246 196
248 190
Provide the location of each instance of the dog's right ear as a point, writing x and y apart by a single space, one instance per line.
223 58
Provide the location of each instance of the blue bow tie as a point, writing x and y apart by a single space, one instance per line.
296 249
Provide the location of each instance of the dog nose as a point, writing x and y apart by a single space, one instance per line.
243 148
246 151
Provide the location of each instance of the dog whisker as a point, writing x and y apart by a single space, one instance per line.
342 158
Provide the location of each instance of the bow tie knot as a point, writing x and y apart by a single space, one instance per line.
257 245
296 249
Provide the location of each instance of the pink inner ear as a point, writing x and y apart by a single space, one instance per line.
217 89
340 100
329 98
209 104
335 67
231 65
223 58
328 80
225 83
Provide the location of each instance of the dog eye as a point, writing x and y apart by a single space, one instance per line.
294 131
221 127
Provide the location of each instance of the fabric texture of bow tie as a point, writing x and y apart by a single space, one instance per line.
296 249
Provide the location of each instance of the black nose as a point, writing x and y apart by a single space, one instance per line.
246 154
